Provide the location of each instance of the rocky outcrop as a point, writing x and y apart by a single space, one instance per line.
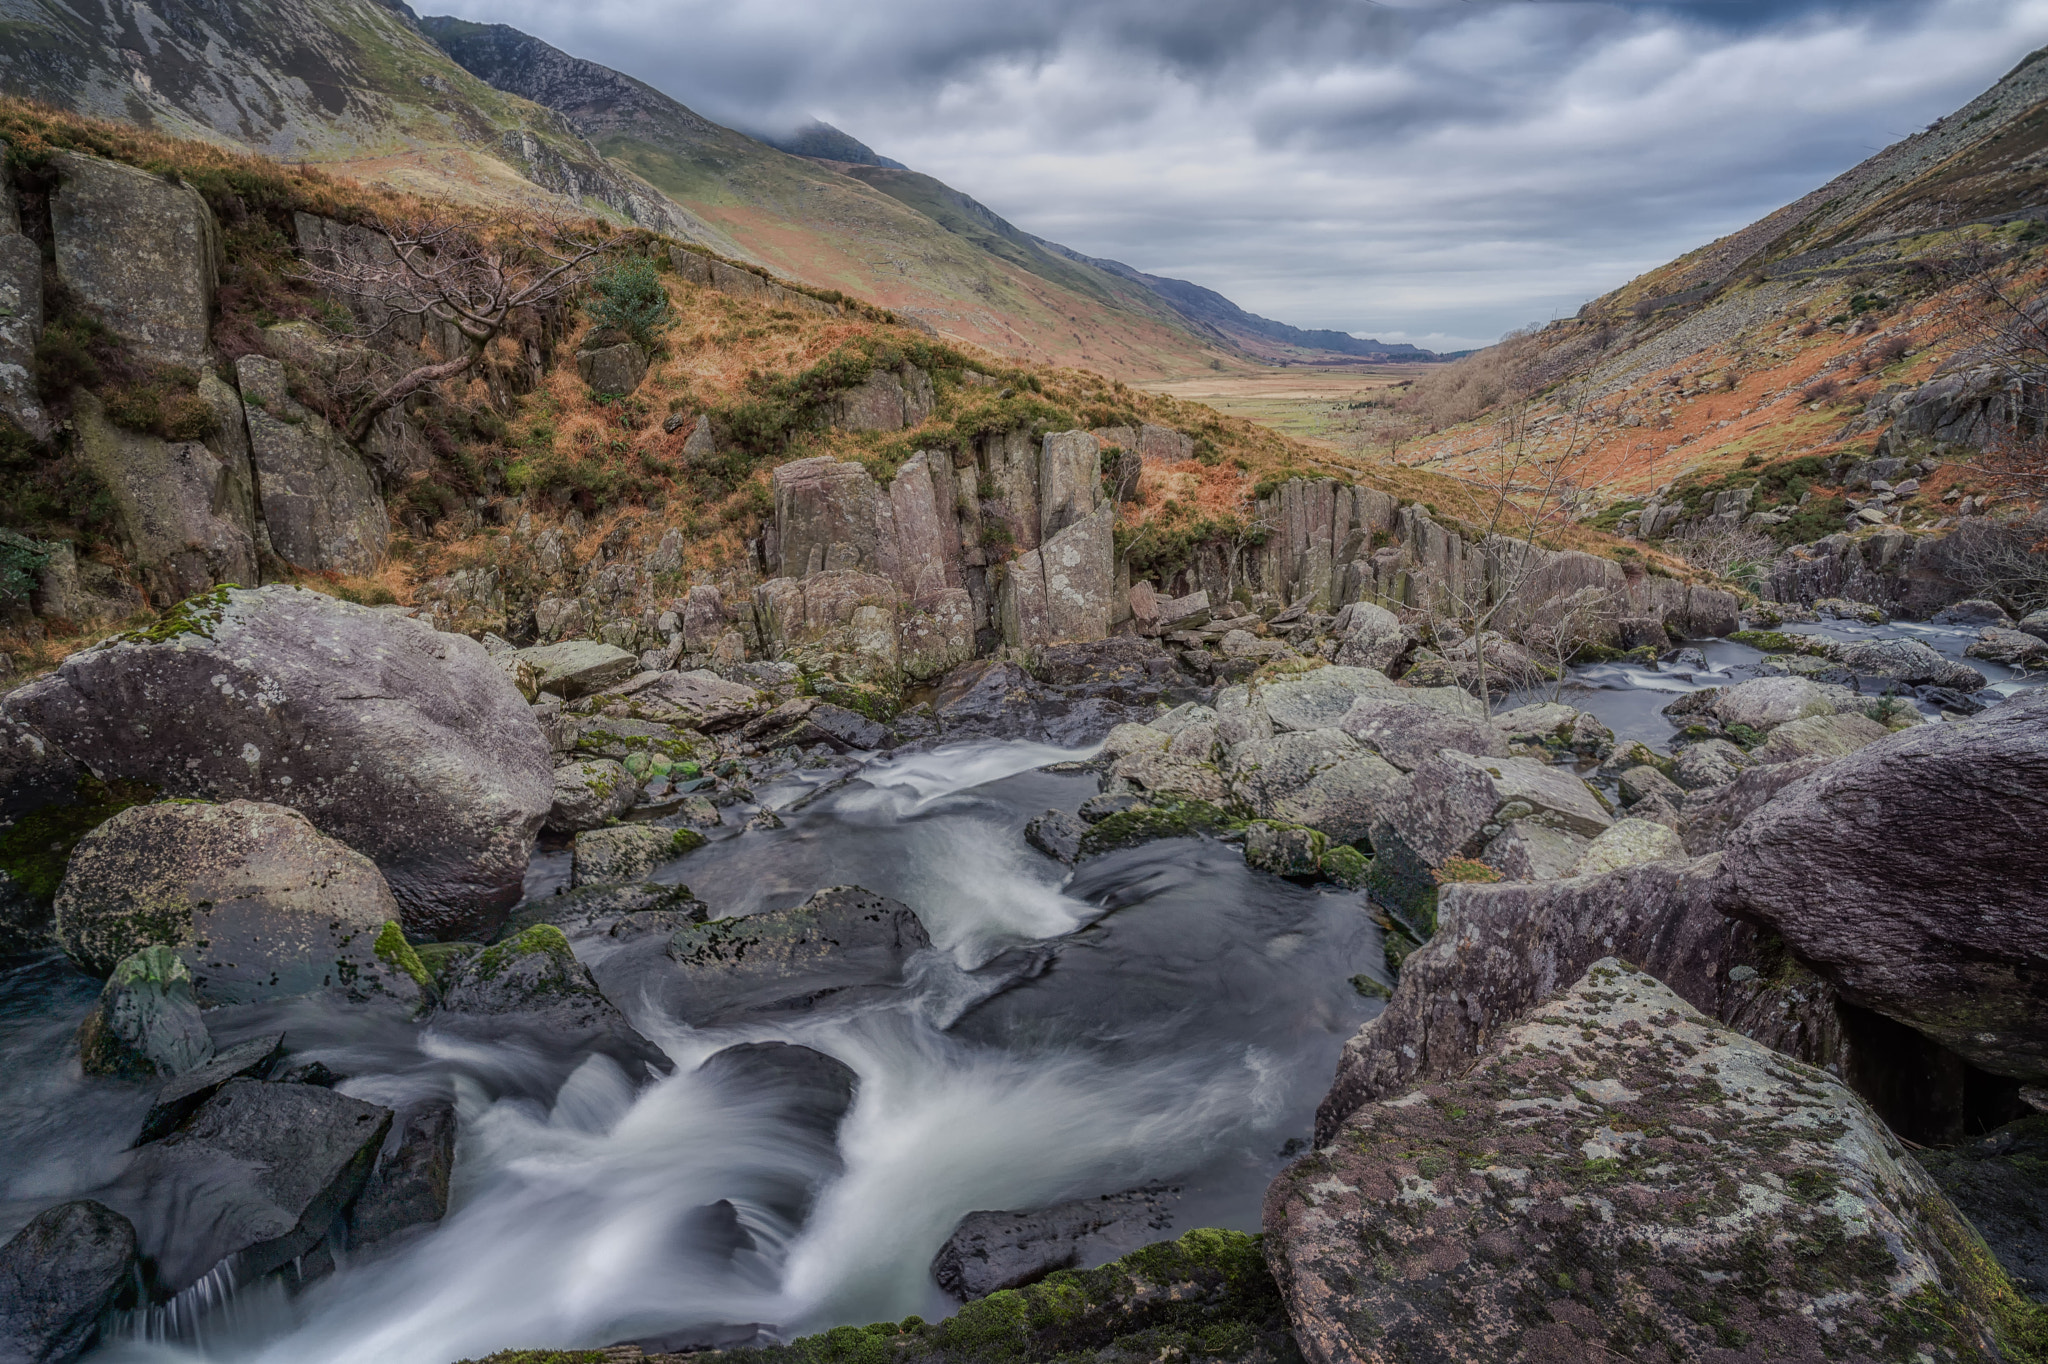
885 401
1618 1168
842 942
589 795
991 1251
321 508
58 1277
614 370
1065 589
21 322
257 903
406 744
533 983
141 251
1905 874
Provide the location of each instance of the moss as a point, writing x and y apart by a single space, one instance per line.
539 939
394 951
192 616
1465 870
1778 642
685 841
1346 865
439 959
1371 988
1168 819
36 848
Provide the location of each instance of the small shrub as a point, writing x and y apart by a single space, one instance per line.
21 566
1824 390
627 295
1467 870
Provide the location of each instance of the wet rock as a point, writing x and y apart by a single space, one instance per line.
147 1020
408 1186
816 1090
992 1251
841 941
180 1099
1906 661
533 983
1820 736
1319 699
1973 611
576 667
2000 1182
990 697
1406 733
256 901
1555 729
406 744
627 852
294 1157
1282 849
607 904
1860 866
1628 843
1057 834
2013 648
1511 1213
1147 823
1321 778
589 795
845 730
1095 809
58 1276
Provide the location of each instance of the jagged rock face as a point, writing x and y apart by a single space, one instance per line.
258 903
1905 575
1907 873
1065 589
407 744
1618 1170
320 505
885 401
21 322
185 510
1500 950
141 251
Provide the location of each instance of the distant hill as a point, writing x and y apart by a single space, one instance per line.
826 143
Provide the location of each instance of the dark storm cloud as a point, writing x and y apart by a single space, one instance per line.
1415 169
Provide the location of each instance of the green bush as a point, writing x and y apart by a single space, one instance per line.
627 295
21 566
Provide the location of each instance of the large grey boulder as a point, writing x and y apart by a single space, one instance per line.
590 794
321 507
532 982
613 370
1322 778
1764 703
407 744
259 1173
1618 1169
1501 950
840 943
572 668
1628 843
58 1276
1906 661
1407 733
1320 699
1065 589
1908 874
1549 728
141 251
1819 736
699 700
184 510
181 1097
256 902
147 1021
1709 816
1370 636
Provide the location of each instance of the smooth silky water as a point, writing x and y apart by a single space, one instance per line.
1183 1035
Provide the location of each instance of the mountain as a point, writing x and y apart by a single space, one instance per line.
824 142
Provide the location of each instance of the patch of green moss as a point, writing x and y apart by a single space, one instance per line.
1168 819
1778 642
192 616
685 841
36 848
439 959
394 951
540 938
1370 988
1346 865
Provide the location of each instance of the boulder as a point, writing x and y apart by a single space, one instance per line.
1322 698
608 905
1406 732
613 370
1819 736
1628 843
147 1020
321 508
1618 1169
590 794
885 401
991 1251
1283 849
1709 816
627 852
1127 739
1764 703
1528 850
1972 611
404 743
533 983
1370 636
58 1276
1708 764
1906 875
2036 624
575 667
181 1097
1455 804
1906 661
139 251
1057 834
1645 783
839 943
260 1174
1321 778
1554 729
1065 589
2013 648
408 1187
255 901
1164 776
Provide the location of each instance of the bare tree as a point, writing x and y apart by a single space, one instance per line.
446 277
2003 324
1739 555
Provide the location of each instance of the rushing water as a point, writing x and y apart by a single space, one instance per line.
1183 1034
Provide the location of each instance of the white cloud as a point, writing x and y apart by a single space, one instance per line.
1421 169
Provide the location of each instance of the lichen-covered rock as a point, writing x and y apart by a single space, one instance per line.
1709 816
533 981
58 1276
405 743
1320 778
1320 699
1528 850
1057 834
2000 1182
1407 733
147 1020
590 794
141 251
256 902
1819 736
321 508
1908 874
1628 843
837 943
574 667
613 370
1125 739
1370 636
1764 703
1708 764
1065 589
2013 648
1906 661
1555 728
1620 1175
1163 776
627 852
1283 849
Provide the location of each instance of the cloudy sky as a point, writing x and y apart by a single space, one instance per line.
1436 171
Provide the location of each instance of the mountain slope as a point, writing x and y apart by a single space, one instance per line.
346 83
826 143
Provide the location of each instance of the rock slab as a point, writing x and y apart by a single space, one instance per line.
57 1276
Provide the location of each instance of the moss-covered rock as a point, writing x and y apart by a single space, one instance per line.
1283 849
1346 865
1169 819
